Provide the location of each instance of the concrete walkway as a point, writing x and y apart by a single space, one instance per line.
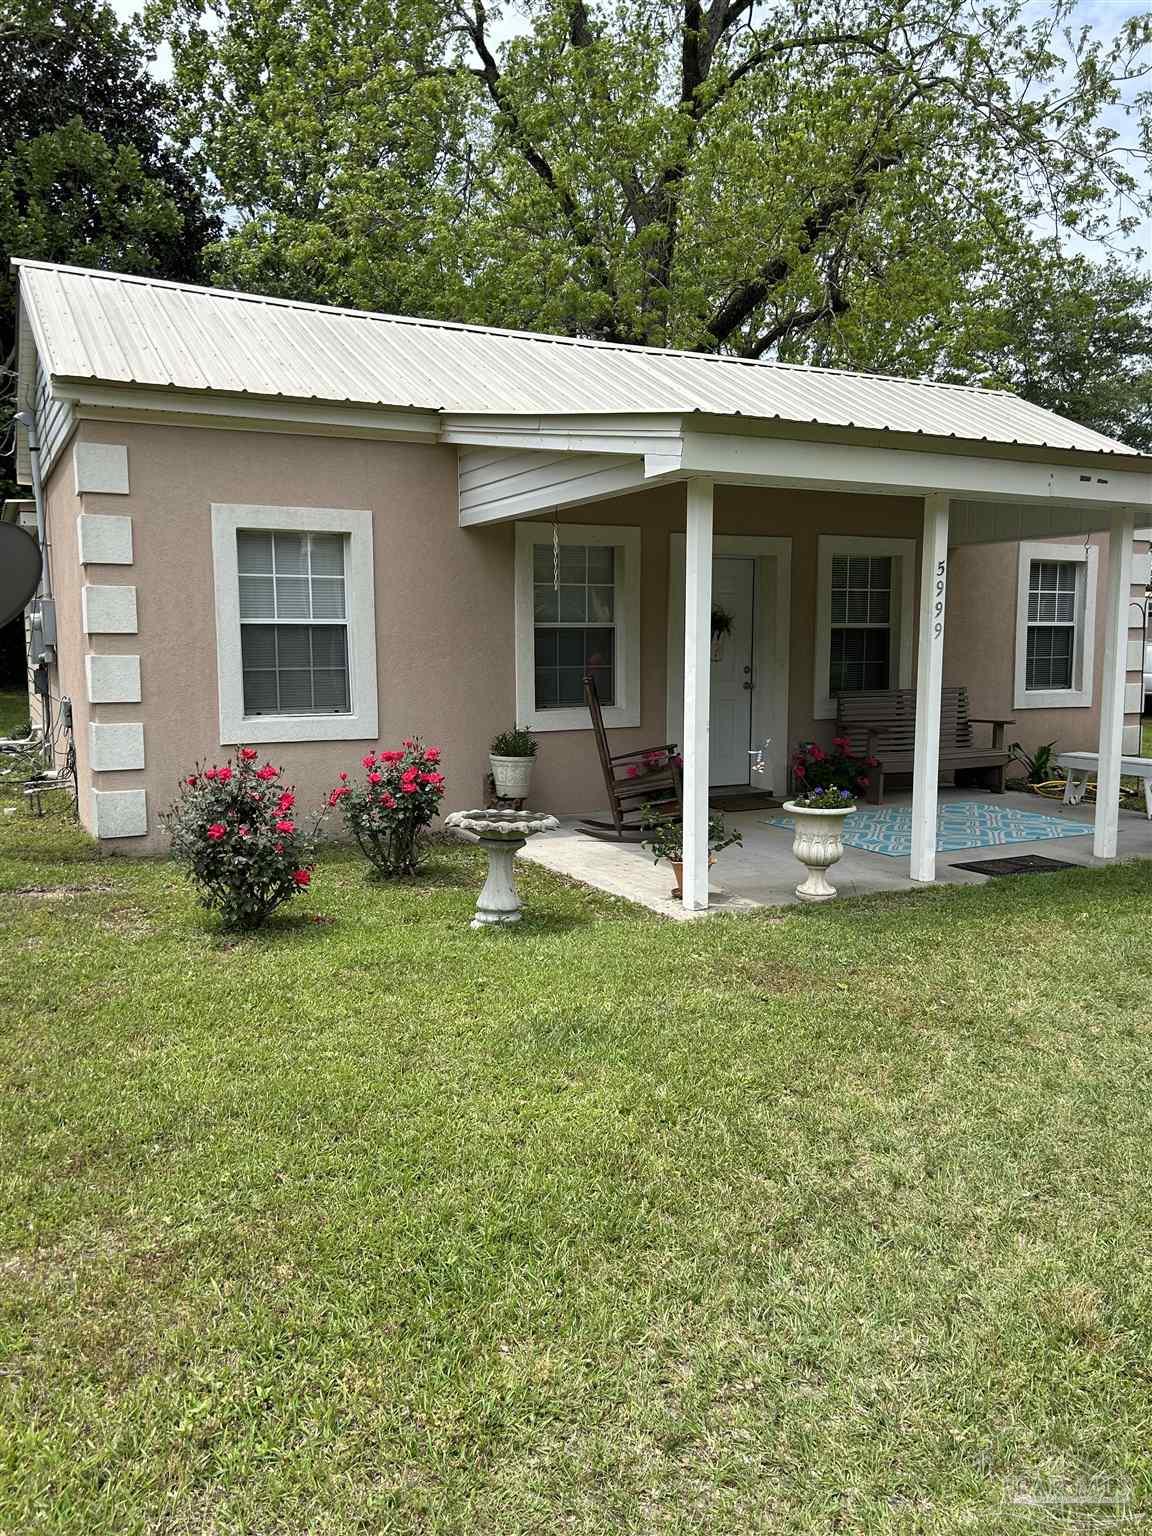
763 873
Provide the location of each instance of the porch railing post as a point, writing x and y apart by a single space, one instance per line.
929 680
697 689
1112 686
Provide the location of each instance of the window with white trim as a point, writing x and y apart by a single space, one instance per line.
577 614
293 622
864 617
1055 619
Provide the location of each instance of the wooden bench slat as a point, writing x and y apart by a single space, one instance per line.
882 723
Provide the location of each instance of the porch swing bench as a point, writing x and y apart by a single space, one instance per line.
632 780
881 723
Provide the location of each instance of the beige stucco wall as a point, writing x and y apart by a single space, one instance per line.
980 645
444 606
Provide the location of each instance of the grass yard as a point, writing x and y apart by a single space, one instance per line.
821 1221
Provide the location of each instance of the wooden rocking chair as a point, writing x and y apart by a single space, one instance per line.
655 777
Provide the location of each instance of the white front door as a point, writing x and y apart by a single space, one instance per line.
733 679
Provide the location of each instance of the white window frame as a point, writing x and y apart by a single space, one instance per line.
831 546
626 609
1079 696
360 722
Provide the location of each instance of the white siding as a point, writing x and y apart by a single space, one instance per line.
498 483
54 421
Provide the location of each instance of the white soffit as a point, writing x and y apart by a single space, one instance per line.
110 329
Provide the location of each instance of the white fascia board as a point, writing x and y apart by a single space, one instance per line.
641 436
871 471
97 402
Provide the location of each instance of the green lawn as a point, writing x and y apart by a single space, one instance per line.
803 1222
13 711
1146 739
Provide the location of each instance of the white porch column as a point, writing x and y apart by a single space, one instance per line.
697 690
1112 683
929 678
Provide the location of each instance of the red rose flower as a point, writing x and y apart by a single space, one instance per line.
432 755
391 757
368 760
343 778
191 781
815 753
408 788
224 774
286 801
249 754
375 777
216 831
209 773
267 772
301 876
286 827
244 831
387 802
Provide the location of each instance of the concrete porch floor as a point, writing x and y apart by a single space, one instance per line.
763 873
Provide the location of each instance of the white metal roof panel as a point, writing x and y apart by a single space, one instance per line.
117 329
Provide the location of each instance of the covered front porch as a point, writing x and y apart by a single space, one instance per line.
763 873
726 487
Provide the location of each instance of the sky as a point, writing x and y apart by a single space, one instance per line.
1103 16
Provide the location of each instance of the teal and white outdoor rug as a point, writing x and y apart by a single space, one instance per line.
959 824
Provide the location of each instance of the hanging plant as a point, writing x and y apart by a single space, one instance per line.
721 623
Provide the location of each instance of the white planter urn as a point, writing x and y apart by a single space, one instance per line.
818 844
511 776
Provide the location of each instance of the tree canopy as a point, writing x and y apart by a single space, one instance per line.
87 174
734 175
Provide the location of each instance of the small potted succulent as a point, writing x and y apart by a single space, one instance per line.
664 840
820 814
511 755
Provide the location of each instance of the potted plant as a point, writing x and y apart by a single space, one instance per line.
664 839
820 814
511 755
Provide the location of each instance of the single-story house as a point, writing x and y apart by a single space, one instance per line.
319 530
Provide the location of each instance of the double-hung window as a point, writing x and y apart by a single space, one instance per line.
864 621
295 623
577 613
1054 624
860 644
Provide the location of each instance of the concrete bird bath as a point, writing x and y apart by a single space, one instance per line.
501 834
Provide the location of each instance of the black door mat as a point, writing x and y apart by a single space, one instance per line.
1024 864
743 800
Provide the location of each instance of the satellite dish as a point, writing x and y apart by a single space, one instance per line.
20 566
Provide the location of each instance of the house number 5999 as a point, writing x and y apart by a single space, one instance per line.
938 609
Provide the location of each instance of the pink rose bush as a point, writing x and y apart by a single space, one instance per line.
816 770
388 813
233 831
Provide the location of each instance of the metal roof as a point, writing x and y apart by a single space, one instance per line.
113 328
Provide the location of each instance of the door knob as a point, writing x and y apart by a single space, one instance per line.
748 683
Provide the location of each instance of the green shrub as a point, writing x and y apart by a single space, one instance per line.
234 831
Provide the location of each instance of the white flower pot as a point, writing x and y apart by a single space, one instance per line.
512 776
818 844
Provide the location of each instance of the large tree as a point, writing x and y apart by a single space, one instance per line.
87 173
807 177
